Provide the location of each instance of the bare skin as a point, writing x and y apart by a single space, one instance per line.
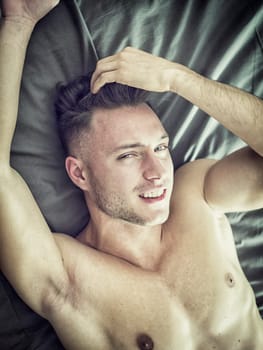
163 273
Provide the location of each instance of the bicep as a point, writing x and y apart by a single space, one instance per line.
29 257
235 183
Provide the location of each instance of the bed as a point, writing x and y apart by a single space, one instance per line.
222 40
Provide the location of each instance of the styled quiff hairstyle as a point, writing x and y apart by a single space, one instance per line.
75 105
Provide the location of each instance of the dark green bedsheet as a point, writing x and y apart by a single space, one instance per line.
220 39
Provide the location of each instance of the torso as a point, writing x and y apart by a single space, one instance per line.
198 297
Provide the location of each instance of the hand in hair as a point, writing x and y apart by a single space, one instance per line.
135 68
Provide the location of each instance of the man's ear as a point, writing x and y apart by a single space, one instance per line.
77 172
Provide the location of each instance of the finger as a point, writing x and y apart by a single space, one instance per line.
104 78
106 66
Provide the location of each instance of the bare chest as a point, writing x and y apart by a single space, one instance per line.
146 312
182 310
191 302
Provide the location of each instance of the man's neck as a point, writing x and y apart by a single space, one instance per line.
139 245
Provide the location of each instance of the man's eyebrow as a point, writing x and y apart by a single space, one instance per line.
135 144
165 136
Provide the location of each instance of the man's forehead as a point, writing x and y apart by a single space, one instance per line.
126 126
125 118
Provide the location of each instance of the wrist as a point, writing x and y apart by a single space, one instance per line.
16 30
184 81
171 76
178 77
19 22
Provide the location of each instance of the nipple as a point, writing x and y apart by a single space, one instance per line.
230 279
145 342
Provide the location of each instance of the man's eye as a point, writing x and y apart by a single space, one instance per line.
126 156
161 148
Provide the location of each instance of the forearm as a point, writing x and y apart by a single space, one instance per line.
29 256
237 110
14 37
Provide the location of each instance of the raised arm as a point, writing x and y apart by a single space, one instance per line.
29 256
234 183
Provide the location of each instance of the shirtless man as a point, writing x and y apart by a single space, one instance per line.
159 271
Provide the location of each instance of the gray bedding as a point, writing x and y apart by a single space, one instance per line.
222 40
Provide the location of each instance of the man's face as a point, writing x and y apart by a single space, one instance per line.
130 170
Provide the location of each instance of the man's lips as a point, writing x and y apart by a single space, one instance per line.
153 196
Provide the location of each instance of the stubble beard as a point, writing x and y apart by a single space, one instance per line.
113 205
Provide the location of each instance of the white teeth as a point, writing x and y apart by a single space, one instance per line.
152 194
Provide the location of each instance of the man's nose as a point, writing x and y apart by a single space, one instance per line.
153 167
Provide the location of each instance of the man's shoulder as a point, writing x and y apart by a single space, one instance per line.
188 190
191 176
188 197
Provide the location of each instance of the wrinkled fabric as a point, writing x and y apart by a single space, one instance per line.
222 40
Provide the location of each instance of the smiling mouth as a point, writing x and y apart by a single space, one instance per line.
153 196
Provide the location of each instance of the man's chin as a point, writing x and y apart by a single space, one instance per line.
150 218
157 219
